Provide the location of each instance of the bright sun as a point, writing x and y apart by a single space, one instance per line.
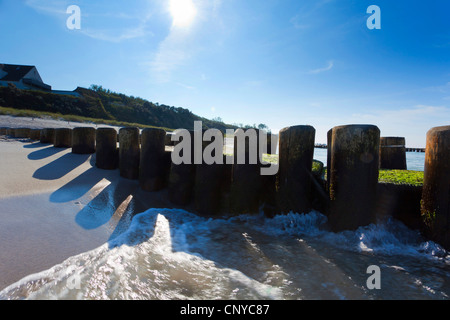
183 12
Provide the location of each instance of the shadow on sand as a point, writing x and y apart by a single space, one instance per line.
60 167
44 153
35 145
105 198
114 206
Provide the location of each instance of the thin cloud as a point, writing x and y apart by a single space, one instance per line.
140 30
57 9
106 35
320 70
254 83
50 6
296 22
421 110
441 89
305 19
414 113
171 54
185 86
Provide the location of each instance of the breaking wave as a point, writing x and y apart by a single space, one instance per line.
173 254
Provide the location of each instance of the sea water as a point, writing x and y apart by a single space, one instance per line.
414 160
173 254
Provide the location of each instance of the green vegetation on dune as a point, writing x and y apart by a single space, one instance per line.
72 118
98 103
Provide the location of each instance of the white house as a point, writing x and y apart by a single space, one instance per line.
23 77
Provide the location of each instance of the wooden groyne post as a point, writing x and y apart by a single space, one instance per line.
63 138
295 165
152 173
35 134
182 176
47 135
353 176
435 206
392 153
272 139
22 132
106 149
168 139
129 153
329 139
11 132
209 179
246 186
83 140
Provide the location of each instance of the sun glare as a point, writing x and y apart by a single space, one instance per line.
183 12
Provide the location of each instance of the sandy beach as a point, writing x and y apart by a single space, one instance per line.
55 204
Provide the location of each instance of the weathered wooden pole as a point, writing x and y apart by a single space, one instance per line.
167 164
11 132
226 183
296 158
209 176
83 140
435 208
22 132
47 135
168 139
272 139
353 176
392 153
106 149
63 138
129 152
182 175
151 172
35 134
246 186
329 138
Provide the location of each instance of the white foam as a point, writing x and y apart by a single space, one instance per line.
389 237
141 264
174 254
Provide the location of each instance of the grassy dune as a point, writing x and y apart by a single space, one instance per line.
72 118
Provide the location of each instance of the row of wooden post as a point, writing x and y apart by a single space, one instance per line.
353 176
353 162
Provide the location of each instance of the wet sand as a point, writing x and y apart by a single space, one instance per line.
55 204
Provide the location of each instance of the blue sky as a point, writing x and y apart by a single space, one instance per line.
278 62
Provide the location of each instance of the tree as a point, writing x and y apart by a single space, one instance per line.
262 126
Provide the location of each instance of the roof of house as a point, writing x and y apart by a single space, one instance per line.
15 72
